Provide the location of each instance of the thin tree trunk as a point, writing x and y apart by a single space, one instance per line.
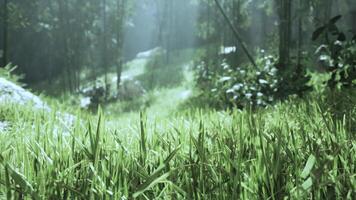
5 34
167 17
284 13
104 51
300 35
328 10
352 16
288 30
209 51
63 10
69 60
170 34
120 38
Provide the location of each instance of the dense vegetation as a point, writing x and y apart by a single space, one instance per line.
188 99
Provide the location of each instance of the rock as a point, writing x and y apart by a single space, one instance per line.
3 126
227 50
14 94
130 89
85 102
149 53
10 92
93 96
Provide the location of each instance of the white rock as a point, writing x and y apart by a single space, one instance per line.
3 126
227 50
149 53
10 92
130 89
85 102
14 94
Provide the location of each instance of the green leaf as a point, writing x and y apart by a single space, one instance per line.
335 19
149 184
155 176
341 37
178 189
171 156
309 166
307 184
21 181
1 159
318 32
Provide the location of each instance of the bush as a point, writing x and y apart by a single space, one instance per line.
337 55
244 87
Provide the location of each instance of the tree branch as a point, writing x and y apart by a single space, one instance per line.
236 34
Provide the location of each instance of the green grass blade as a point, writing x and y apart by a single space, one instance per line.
308 166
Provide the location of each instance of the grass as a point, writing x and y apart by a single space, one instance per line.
293 150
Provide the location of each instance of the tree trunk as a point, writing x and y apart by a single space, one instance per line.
300 34
352 15
328 10
284 13
5 35
120 40
168 19
64 23
105 49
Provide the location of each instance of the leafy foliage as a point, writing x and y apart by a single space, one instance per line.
244 87
338 55
239 87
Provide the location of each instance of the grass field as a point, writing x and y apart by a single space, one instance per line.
293 150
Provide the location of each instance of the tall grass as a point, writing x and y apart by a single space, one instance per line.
295 150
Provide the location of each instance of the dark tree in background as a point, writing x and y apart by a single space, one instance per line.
284 13
66 52
59 43
104 50
5 34
121 17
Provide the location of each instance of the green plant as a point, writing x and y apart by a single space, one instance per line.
241 87
294 150
337 55
8 73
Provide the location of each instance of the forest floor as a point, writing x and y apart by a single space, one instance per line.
158 103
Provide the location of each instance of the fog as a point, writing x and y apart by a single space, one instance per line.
157 24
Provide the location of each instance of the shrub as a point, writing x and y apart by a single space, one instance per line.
242 87
337 55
